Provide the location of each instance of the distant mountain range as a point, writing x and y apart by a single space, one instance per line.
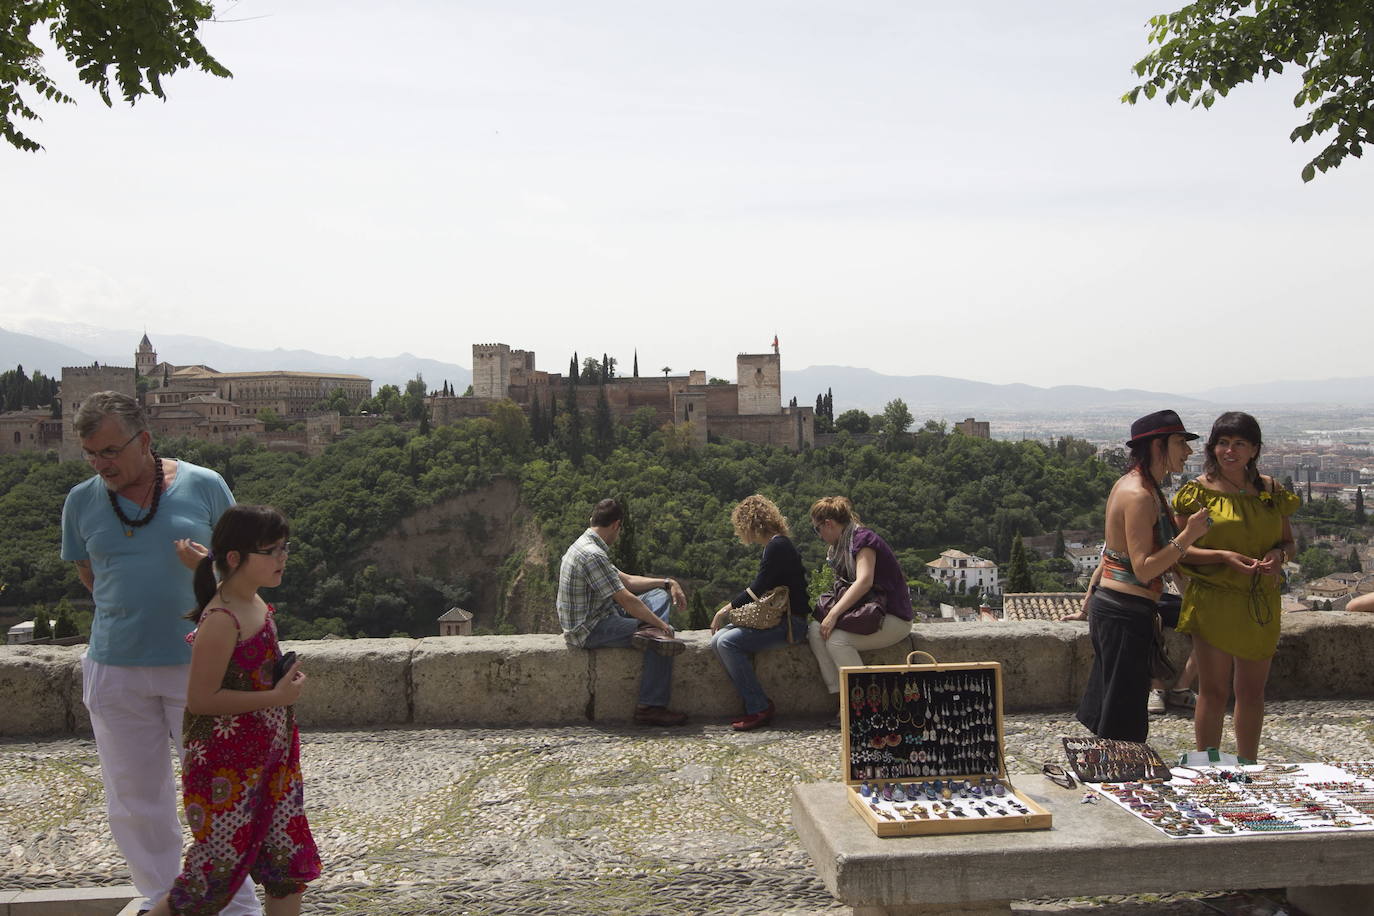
924 394
48 346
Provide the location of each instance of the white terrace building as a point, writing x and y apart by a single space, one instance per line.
961 573
1084 559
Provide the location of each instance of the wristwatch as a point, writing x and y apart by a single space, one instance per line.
667 585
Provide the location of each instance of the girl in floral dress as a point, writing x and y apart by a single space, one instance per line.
241 778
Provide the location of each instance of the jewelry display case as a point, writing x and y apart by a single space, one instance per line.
921 750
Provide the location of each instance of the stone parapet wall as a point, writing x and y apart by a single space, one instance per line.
538 680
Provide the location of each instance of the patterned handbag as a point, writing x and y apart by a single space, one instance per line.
763 613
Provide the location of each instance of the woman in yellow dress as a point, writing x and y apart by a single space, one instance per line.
1231 604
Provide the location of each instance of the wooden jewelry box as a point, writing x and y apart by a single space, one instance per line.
933 731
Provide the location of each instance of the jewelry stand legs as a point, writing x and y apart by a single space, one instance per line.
1340 900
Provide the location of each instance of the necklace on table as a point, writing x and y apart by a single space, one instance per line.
131 523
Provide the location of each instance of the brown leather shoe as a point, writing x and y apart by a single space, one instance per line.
652 639
658 715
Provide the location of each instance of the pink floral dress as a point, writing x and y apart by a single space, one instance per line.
242 790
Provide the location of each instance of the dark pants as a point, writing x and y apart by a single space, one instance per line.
1122 628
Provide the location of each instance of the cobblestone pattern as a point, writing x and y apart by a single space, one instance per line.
571 820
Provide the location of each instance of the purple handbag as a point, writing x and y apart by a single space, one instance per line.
863 618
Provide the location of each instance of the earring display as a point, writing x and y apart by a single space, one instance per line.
1252 800
921 750
1110 760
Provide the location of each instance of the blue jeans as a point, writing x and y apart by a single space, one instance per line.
736 647
614 631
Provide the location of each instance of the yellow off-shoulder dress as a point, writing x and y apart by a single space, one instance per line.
1236 612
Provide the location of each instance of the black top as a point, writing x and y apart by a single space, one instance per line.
781 565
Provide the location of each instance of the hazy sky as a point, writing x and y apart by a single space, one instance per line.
920 188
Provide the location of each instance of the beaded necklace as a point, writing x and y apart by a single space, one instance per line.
131 523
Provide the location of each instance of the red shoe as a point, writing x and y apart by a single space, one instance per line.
754 720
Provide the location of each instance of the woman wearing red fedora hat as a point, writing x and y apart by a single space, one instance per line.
1143 542
1231 604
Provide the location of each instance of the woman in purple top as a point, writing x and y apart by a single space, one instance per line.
857 555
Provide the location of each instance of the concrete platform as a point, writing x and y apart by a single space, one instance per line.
71 901
1092 849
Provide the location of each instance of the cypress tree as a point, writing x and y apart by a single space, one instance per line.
574 444
636 362
604 427
42 626
699 618
625 553
66 625
1018 573
1059 543
538 431
1360 516
572 369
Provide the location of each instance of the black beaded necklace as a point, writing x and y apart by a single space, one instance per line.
131 523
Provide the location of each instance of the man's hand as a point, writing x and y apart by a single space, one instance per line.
679 596
189 552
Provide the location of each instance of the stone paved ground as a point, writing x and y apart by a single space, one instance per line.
579 820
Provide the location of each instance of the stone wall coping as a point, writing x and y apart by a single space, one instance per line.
537 679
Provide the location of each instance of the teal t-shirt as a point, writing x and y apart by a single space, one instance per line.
141 588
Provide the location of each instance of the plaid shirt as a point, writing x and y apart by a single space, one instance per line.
586 581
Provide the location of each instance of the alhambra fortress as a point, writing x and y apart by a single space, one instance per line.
204 403
751 409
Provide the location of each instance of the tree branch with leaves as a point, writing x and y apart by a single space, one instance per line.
1208 48
128 47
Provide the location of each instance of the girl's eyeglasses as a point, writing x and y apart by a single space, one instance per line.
280 550
1058 775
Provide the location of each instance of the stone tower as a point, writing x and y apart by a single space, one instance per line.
79 383
494 365
145 358
760 383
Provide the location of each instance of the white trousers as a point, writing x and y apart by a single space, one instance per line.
841 650
136 716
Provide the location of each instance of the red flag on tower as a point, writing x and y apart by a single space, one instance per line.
775 343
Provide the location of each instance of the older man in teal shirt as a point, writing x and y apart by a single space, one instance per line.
135 532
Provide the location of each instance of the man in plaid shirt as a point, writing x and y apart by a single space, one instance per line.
601 607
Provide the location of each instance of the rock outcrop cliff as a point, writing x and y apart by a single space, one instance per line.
490 539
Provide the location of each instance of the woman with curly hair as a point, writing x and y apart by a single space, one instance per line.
758 521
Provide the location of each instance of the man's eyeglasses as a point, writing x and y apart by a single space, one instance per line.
108 454
280 550
1058 775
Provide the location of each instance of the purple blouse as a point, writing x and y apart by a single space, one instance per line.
887 573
